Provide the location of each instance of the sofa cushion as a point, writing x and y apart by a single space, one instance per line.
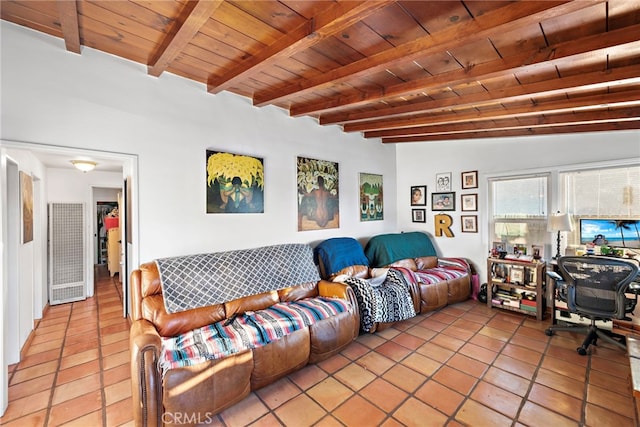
246 331
335 254
201 280
385 249
426 262
169 325
408 263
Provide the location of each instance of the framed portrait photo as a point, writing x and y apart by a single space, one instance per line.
469 202
418 215
419 195
443 181
443 201
469 179
469 223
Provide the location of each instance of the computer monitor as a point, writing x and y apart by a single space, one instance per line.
617 232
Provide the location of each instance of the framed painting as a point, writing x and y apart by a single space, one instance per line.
469 202
469 180
419 195
443 182
26 194
371 201
318 194
443 201
235 183
469 223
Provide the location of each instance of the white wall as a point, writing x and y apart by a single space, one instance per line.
418 164
97 101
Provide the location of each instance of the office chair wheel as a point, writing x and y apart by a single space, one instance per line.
581 351
548 332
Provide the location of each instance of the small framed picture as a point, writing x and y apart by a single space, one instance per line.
516 275
469 179
419 195
418 215
469 202
443 181
443 201
537 251
469 223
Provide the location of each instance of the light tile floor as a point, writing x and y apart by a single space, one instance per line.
462 365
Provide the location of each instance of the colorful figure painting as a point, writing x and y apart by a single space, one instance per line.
371 200
235 183
318 194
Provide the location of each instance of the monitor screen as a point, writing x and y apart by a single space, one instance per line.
620 233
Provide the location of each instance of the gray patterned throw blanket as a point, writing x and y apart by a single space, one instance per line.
194 281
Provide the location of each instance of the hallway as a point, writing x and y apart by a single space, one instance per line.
75 371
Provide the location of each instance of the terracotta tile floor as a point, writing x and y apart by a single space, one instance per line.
75 370
462 365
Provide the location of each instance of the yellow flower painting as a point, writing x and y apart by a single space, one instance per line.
235 183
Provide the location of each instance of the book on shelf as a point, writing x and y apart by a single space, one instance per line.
528 308
528 303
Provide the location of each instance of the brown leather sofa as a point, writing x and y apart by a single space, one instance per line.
432 281
441 280
191 395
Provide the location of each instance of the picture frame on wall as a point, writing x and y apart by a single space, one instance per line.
469 180
371 200
443 201
234 184
419 195
469 202
318 194
418 215
469 223
443 181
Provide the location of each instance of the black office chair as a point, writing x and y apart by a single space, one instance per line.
596 287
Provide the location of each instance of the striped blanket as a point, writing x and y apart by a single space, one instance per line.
247 331
447 269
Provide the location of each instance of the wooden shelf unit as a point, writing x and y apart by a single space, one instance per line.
516 278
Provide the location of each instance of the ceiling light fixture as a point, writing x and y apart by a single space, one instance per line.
84 165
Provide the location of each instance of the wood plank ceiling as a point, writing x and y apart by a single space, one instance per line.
402 71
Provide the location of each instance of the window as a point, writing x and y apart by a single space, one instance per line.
607 193
519 209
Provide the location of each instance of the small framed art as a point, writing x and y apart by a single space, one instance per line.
469 180
443 201
469 202
443 181
418 215
537 251
469 223
419 195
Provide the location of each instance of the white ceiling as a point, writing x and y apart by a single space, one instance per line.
63 161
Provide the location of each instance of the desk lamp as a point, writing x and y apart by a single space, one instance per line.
559 222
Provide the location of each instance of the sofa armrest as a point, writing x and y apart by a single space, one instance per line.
146 378
338 290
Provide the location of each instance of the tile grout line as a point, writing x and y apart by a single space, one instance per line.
57 371
100 361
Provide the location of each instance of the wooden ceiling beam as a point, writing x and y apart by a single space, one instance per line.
623 39
330 21
618 99
498 21
174 43
582 82
68 12
543 120
580 128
